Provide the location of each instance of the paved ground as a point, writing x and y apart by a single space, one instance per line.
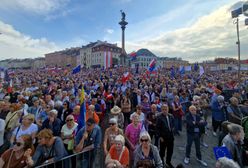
207 153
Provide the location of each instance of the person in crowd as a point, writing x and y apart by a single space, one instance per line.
19 156
52 123
12 120
224 162
140 114
233 142
126 109
194 122
89 137
2 126
4 109
110 133
145 105
118 155
48 99
46 108
92 114
116 112
36 108
234 113
204 105
97 106
147 151
68 132
50 149
66 111
165 122
76 113
244 108
27 127
177 114
218 113
151 120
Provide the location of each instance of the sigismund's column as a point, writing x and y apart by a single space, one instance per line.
123 24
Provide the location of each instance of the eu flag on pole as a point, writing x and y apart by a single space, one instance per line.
220 152
77 69
81 121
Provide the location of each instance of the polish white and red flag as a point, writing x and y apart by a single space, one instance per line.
126 76
108 59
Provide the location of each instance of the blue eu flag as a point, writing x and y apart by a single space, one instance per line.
220 152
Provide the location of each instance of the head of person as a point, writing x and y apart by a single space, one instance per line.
35 101
94 101
145 99
224 162
115 110
234 101
135 119
48 108
138 109
176 98
90 124
48 98
69 120
192 109
76 110
28 119
153 107
45 136
24 142
164 109
113 123
220 99
52 115
66 104
58 104
91 108
119 142
236 131
145 139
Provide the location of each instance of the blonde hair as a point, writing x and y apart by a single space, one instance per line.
45 133
145 134
29 117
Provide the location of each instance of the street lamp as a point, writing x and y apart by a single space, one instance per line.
235 15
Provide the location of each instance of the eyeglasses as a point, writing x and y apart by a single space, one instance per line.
111 124
144 140
69 120
89 125
18 143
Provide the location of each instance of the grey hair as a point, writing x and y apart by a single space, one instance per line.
58 103
234 129
220 98
145 134
224 162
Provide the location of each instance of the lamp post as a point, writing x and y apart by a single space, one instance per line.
236 21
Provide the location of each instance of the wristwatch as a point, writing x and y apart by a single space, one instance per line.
114 165
46 161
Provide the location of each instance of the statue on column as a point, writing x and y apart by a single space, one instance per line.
123 15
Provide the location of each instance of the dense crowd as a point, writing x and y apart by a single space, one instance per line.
128 122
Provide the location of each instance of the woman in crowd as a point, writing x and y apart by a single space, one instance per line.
147 151
92 114
115 112
126 109
20 155
111 132
50 148
118 155
52 123
66 111
177 113
27 127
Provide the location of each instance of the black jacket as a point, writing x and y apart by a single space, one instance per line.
162 127
191 126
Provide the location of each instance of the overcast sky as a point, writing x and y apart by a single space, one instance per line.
194 30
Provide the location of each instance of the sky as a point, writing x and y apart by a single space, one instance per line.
195 30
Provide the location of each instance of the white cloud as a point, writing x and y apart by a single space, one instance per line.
41 7
14 44
211 36
109 31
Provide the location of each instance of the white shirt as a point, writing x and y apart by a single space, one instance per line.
31 129
66 131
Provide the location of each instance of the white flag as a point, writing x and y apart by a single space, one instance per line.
201 70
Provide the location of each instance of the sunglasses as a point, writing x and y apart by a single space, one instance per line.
111 124
144 140
69 120
89 125
18 143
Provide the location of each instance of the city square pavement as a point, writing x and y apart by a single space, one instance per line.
207 153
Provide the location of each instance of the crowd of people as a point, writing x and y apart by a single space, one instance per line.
129 123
